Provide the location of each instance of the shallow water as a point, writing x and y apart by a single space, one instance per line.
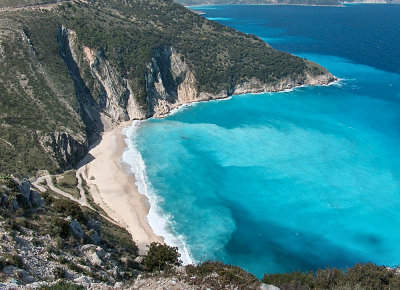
285 181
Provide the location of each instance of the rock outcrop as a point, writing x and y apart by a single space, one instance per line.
66 149
116 98
170 82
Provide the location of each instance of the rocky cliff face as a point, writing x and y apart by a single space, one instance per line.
111 94
170 83
116 97
66 149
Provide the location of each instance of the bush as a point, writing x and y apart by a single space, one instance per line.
60 228
69 208
65 286
293 280
328 278
360 276
228 275
59 273
371 276
11 260
160 256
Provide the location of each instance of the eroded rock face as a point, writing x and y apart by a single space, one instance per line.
64 148
116 97
169 82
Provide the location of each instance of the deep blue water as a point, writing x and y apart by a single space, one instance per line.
295 180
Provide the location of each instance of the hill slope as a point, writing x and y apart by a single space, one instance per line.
71 68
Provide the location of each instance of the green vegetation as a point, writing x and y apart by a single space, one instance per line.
10 260
160 257
225 275
360 276
42 96
65 286
67 181
37 94
51 225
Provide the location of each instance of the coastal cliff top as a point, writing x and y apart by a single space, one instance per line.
44 48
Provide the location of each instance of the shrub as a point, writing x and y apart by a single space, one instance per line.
293 280
227 275
59 273
11 260
65 286
69 208
160 256
61 228
328 278
372 276
360 276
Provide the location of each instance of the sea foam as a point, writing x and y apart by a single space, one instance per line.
159 221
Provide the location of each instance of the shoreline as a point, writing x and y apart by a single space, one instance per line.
113 187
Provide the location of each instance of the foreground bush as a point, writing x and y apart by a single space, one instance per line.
160 257
218 275
360 276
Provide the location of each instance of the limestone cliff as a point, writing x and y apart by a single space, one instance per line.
66 149
170 83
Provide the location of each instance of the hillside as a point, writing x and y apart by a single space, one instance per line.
49 241
71 68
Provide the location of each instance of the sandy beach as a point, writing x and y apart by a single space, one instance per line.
114 188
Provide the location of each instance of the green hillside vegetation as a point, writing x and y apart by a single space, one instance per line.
37 93
30 223
38 96
128 34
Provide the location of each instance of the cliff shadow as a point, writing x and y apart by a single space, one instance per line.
88 108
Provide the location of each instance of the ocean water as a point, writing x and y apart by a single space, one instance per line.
288 181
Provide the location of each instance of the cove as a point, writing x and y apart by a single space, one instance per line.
297 180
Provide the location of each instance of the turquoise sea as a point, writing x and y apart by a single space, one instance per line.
296 180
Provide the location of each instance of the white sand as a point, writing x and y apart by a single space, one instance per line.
114 189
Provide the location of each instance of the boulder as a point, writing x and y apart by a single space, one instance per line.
4 200
82 280
95 238
94 254
76 229
36 199
268 287
14 205
24 187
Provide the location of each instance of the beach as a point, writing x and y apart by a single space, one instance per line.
113 187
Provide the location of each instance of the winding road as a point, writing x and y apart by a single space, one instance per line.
82 200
